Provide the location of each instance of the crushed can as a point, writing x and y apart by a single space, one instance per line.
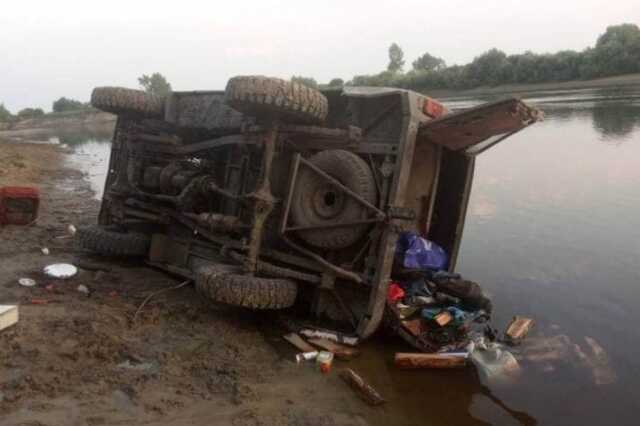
18 205
324 361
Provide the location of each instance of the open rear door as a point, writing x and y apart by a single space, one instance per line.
475 130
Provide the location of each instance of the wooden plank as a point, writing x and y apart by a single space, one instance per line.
364 390
410 361
340 351
518 329
8 316
299 342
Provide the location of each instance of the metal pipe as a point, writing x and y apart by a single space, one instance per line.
336 269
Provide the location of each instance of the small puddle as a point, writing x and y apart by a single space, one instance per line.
87 151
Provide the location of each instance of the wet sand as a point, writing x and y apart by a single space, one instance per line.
91 361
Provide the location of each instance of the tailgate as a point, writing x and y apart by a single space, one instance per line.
476 129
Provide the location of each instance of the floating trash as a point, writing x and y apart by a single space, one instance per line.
61 270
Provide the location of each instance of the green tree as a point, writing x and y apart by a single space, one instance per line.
336 82
27 113
489 68
64 104
428 62
307 81
617 51
5 114
396 58
155 84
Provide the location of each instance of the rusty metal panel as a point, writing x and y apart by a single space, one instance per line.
420 190
465 129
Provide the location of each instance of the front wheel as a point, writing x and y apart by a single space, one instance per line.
111 242
226 284
127 102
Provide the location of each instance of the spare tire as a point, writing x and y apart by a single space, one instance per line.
127 102
111 242
317 202
226 284
266 97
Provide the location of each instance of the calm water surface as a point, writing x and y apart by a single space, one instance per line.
553 232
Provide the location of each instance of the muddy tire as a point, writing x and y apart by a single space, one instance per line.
266 97
226 284
109 242
317 202
127 102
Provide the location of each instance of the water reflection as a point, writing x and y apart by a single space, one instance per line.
89 148
76 138
614 113
615 121
553 232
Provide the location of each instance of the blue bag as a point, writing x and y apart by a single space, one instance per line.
415 252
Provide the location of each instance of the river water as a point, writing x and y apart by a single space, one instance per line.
553 232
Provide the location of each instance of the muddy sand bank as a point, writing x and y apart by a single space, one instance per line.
90 360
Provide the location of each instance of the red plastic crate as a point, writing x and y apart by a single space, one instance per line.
19 205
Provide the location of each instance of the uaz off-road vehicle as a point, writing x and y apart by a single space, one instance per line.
271 192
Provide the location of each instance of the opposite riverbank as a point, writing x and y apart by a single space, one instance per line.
608 82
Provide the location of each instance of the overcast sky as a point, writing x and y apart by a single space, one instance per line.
59 48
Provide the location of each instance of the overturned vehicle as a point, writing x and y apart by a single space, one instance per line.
271 193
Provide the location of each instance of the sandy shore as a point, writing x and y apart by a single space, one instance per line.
74 359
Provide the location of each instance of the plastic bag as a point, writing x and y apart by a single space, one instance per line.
415 252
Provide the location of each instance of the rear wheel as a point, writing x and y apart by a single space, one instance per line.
111 242
226 284
266 97
127 102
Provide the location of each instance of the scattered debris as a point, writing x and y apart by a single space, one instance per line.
340 351
27 282
394 292
443 318
517 330
413 326
331 335
8 316
363 389
144 302
61 270
410 361
598 362
140 366
547 349
71 230
19 205
45 251
84 289
39 301
306 356
298 342
324 361
495 364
